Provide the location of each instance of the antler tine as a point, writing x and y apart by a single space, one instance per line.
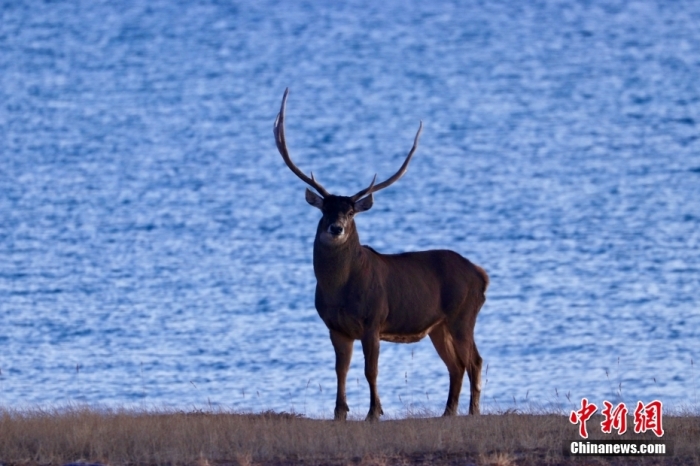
281 142
396 175
364 191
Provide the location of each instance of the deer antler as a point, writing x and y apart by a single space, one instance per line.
365 191
278 130
384 184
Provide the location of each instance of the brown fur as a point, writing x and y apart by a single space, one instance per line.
364 295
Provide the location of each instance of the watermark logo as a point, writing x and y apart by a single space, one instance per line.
582 416
646 417
614 418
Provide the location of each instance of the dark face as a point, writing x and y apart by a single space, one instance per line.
337 223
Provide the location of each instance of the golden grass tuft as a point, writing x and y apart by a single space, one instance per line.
497 459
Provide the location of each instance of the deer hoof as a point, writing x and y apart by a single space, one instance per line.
341 414
373 415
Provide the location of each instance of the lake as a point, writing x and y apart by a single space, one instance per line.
155 251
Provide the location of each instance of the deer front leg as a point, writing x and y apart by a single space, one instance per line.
343 354
370 347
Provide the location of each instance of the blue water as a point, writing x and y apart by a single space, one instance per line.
156 251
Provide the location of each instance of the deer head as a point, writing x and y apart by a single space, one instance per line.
337 223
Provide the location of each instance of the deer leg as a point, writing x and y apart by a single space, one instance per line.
467 352
474 372
442 340
370 347
343 354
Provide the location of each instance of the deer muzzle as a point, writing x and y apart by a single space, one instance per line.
335 229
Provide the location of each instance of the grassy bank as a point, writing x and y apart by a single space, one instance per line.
199 438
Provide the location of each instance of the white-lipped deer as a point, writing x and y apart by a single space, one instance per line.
364 295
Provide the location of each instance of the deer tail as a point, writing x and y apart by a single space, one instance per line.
484 276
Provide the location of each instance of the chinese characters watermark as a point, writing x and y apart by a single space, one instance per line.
646 417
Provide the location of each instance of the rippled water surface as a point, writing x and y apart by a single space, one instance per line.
156 251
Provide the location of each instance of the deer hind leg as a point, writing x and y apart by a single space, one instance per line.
445 346
467 352
343 354
370 347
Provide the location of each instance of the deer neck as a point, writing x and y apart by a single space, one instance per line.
334 265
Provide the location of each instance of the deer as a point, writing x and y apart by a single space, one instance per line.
400 298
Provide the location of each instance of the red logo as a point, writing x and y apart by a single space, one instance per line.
614 418
582 415
646 417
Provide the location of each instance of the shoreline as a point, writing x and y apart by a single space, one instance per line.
133 437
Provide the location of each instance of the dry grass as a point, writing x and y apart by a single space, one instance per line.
124 437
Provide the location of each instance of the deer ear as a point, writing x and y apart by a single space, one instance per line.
364 204
314 199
